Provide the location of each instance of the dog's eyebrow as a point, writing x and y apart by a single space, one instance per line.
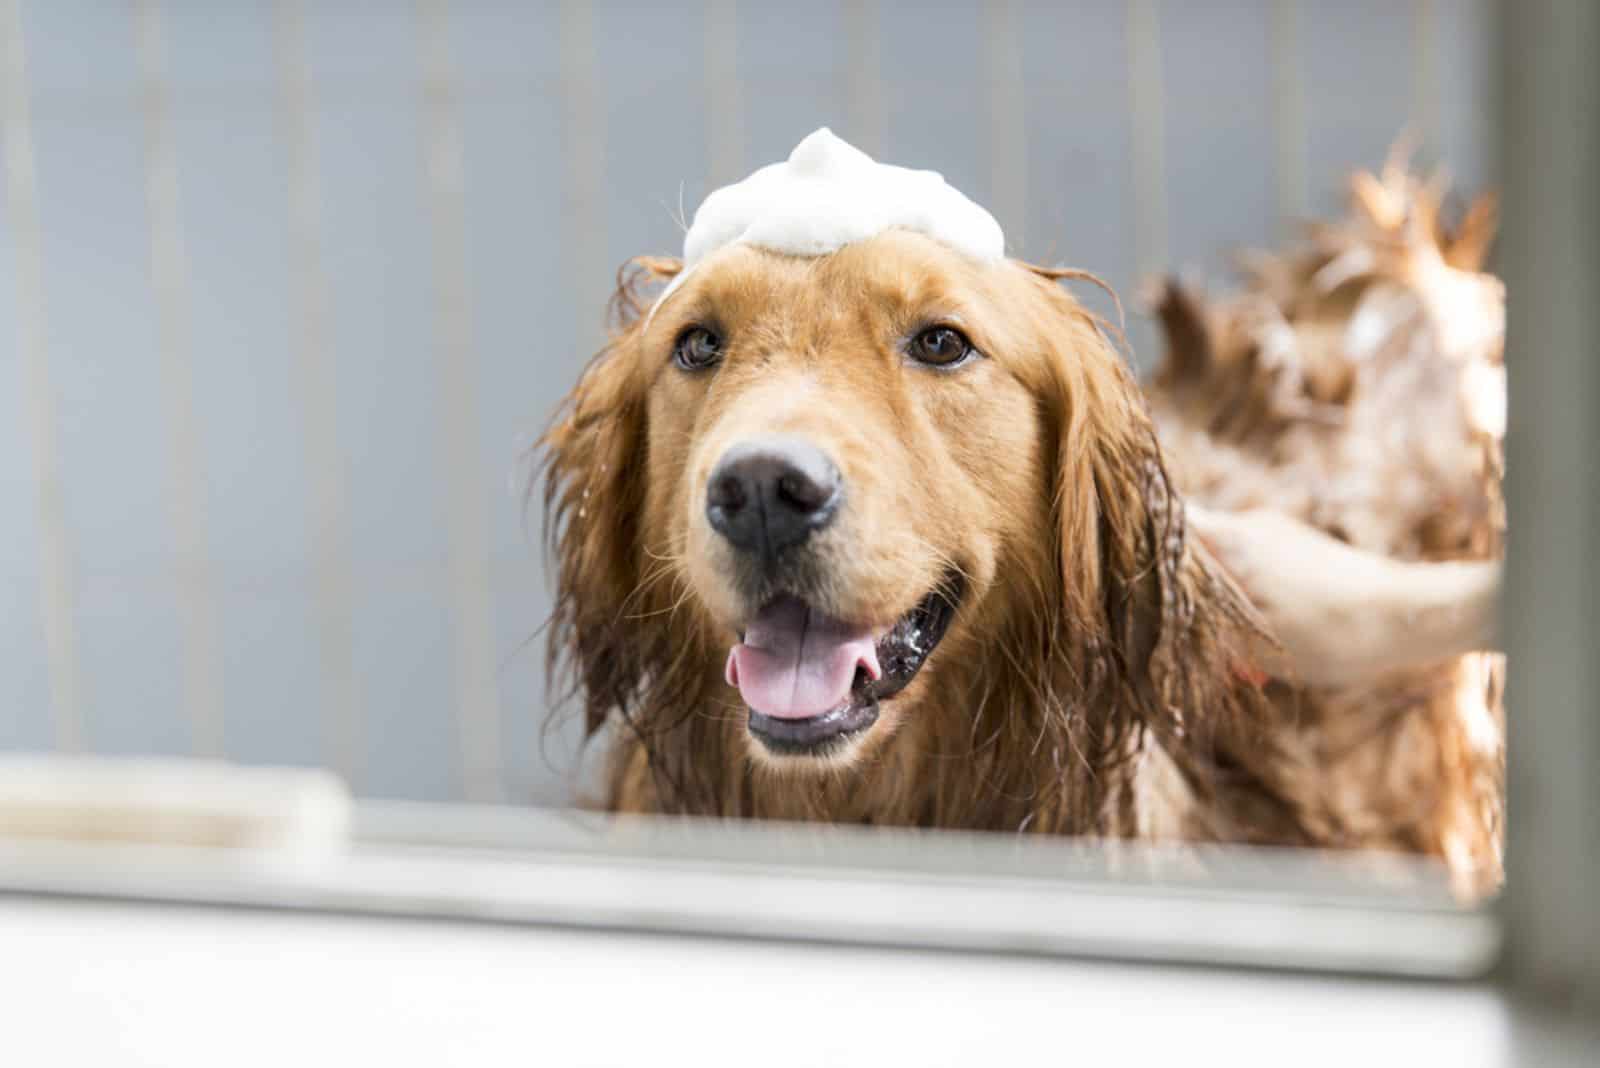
927 301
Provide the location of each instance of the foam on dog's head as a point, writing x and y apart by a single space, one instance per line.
829 194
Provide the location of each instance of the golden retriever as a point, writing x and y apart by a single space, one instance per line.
918 506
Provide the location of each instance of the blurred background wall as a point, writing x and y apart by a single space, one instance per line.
285 289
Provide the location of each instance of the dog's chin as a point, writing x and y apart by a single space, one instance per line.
840 735
834 738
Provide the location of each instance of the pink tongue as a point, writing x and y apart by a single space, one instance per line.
795 663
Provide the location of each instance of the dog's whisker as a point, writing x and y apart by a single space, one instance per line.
653 578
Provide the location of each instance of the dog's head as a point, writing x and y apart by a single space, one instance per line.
821 501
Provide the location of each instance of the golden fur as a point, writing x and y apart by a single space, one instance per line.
1358 385
1097 677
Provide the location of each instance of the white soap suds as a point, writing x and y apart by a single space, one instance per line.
829 194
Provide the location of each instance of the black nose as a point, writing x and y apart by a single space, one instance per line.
769 493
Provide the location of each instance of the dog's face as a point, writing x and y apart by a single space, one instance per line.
841 453
810 508
882 535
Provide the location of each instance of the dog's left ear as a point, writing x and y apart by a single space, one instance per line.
1134 584
594 494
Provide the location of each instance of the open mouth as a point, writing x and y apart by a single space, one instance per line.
813 682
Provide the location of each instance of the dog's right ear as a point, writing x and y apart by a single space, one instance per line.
593 472
638 281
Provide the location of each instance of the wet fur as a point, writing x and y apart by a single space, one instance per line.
1091 684
1336 389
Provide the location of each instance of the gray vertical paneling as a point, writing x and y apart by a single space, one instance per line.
584 119
935 92
1080 198
796 70
521 268
861 100
1005 116
1288 116
255 489
457 374
1147 119
170 283
1359 89
724 92
1551 100
337 707
369 134
38 634
1465 131
1423 119
652 58
1217 73
105 367
1147 114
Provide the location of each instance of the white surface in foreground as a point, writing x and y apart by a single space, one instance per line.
170 800
129 985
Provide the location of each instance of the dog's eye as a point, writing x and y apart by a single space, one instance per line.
941 346
697 349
